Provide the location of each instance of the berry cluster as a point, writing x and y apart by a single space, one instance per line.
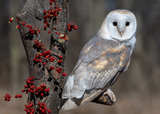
47 56
51 13
7 97
18 96
29 87
42 90
42 108
29 108
72 26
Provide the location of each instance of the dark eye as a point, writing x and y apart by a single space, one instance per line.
114 23
127 23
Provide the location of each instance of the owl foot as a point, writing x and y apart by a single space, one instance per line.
106 98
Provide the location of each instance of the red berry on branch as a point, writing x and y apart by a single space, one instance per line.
34 59
11 19
23 90
41 94
23 23
44 63
69 28
29 26
55 14
45 27
59 61
64 74
60 57
18 27
49 111
9 96
16 96
50 2
49 32
75 27
51 68
45 11
37 56
25 86
68 24
29 78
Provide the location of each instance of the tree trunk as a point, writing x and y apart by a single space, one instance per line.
33 9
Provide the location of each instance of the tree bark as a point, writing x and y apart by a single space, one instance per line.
33 9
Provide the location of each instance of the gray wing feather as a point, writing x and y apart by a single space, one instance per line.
98 63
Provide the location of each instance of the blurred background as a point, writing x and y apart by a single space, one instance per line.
137 90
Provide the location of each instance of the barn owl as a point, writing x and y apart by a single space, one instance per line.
102 60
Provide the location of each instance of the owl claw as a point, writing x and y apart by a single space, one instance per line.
106 98
109 96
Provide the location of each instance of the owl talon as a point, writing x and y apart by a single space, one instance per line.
106 98
111 98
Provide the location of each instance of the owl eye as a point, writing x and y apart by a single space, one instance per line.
114 23
127 23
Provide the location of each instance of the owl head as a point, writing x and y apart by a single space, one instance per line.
119 25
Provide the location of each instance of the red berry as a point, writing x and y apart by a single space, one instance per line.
59 61
45 11
10 20
23 90
69 28
59 71
23 23
55 14
25 86
44 63
60 57
31 82
29 26
45 27
50 2
18 27
51 68
5 96
43 103
29 78
51 60
49 32
20 95
34 59
75 27
68 24
64 74
9 96
41 94
32 110
49 111
15 96
36 56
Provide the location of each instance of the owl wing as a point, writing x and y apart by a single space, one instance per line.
99 64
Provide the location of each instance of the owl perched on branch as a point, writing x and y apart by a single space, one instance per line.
102 60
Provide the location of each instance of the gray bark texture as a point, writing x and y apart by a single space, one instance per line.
33 9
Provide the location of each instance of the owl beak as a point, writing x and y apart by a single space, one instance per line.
121 32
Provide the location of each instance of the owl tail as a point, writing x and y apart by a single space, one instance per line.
71 95
68 87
